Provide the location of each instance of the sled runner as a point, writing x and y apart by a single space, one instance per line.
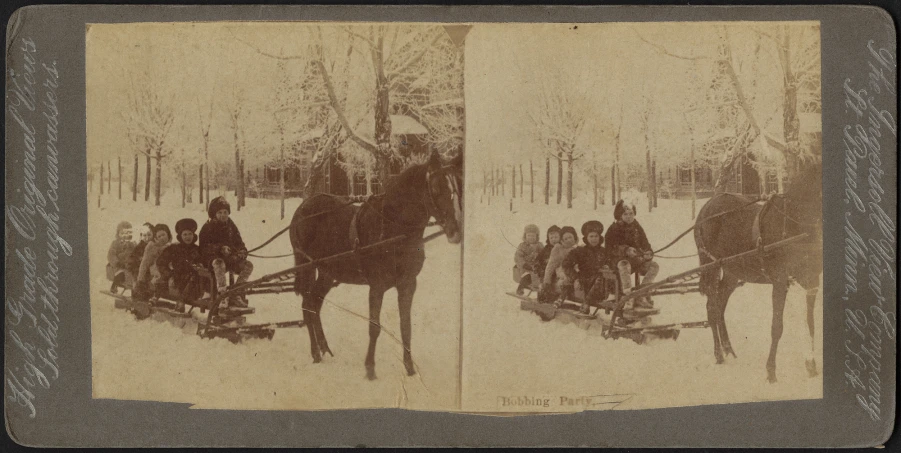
637 324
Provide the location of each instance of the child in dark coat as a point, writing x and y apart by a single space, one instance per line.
177 264
525 270
631 251
117 257
221 247
585 264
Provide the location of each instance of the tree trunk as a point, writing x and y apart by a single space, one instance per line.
206 167
654 180
569 179
239 175
532 181
147 179
521 177
559 176
109 177
200 186
503 182
513 181
119 160
547 180
159 178
184 187
694 193
101 178
594 177
245 178
282 184
650 176
613 184
134 182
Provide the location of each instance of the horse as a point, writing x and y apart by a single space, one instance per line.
326 225
729 224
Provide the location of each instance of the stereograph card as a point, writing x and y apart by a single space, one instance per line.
477 226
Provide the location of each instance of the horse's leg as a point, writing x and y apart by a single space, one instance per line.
713 319
311 319
405 291
375 327
320 289
780 289
811 362
726 287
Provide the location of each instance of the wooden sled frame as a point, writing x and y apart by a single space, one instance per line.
636 326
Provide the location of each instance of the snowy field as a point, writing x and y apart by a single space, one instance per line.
149 360
510 352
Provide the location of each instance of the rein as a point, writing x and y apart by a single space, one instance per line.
438 221
702 221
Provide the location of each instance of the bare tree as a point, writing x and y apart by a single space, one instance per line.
559 115
149 121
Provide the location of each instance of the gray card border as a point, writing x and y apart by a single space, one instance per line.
67 416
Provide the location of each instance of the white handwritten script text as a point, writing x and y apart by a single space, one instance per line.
869 280
32 211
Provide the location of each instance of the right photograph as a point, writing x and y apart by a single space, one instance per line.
643 215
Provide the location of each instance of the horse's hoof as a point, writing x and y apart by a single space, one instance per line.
411 370
370 374
771 378
811 368
317 359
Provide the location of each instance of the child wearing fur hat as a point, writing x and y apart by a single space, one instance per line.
177 263
631 251
221 246
556 282
148 273
525 271
117 257
552 239
586 263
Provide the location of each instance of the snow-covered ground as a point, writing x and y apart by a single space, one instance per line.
148 360
511 353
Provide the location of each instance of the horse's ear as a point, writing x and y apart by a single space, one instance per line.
457 161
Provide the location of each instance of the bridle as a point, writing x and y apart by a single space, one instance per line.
432 205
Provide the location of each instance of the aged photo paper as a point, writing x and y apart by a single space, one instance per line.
310 225
275 144
714 125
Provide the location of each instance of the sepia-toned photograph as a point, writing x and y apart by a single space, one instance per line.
275 213
644 215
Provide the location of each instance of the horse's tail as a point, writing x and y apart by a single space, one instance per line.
709 279
302 278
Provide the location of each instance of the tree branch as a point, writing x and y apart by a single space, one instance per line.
666 52
340 111
415 58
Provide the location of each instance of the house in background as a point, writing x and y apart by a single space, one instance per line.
342 176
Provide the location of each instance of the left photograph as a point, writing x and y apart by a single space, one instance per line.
276 213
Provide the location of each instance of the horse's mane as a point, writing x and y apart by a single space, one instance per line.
409 179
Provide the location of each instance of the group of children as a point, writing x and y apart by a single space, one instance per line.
556 268
154 267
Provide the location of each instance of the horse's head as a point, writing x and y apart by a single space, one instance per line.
806 190
445 194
